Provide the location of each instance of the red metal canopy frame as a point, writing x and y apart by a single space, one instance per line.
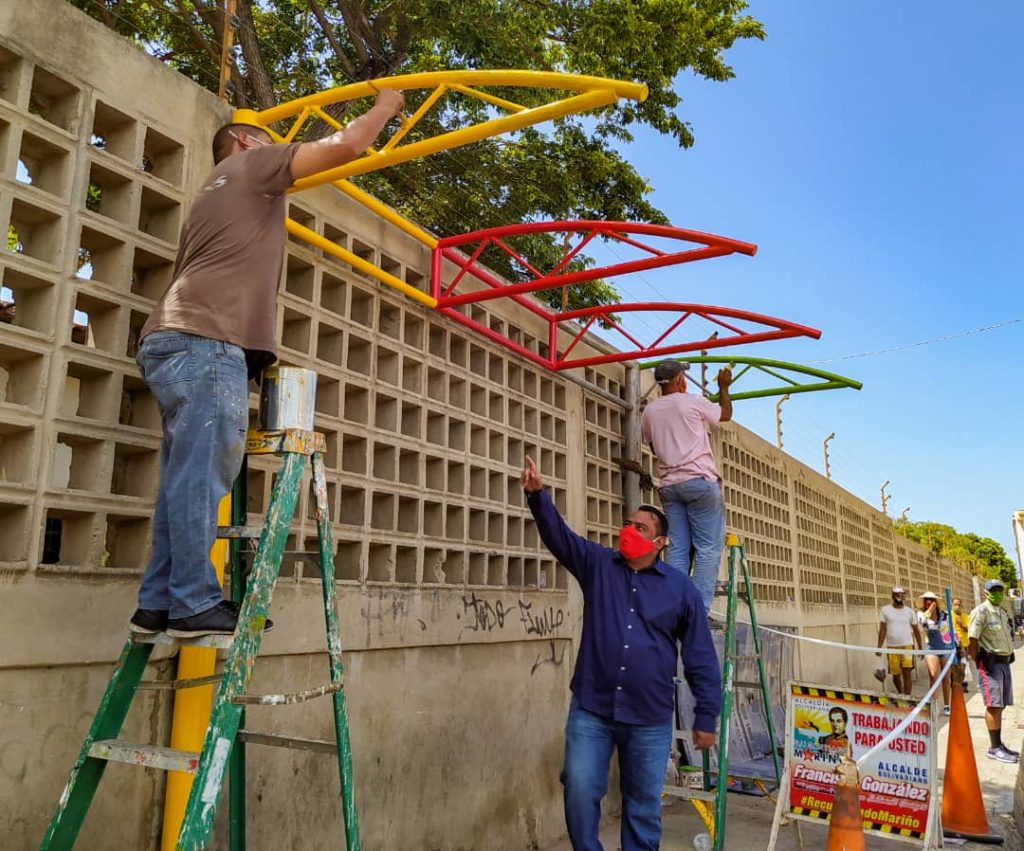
736 324
694 245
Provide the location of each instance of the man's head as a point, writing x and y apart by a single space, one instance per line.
658 517
996 590
643 536
898 594
837 717
234 138
957 604
671 375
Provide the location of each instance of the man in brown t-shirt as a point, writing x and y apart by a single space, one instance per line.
213 329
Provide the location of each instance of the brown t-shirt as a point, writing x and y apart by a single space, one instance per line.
225 279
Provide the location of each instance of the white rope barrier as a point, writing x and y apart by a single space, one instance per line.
858 647
898 730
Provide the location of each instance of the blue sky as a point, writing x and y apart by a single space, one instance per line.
872 151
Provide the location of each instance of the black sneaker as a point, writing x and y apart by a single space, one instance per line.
220 620
148 621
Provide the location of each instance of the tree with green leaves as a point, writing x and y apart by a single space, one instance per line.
572 170
982 556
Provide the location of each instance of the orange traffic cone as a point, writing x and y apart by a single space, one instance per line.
846 827
963 809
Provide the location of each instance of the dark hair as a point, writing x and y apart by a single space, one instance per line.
662 519
841 711
223 140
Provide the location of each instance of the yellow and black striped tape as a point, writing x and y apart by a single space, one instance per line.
878 826
803 811
853 697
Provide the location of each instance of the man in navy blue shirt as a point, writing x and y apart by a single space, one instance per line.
635 609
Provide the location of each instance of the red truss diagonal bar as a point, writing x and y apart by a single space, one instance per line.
730 319
767 328
693 245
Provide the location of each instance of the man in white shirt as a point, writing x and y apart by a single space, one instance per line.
898 631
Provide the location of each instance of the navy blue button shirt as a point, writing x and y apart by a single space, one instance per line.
631 622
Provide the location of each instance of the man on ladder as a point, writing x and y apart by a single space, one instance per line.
675 426
213 330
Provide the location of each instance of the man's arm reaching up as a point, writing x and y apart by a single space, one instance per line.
350 143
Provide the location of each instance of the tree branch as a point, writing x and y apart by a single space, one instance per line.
339 53
351 15
256 68
198 35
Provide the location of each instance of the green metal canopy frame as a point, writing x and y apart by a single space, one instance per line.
776 369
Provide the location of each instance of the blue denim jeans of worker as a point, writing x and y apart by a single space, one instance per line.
696 517
201 386
643 755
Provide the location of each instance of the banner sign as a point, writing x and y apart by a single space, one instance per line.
895 784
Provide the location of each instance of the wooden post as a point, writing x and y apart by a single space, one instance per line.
227 42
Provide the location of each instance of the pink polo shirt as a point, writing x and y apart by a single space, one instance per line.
675 426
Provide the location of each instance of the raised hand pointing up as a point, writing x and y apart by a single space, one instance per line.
531 478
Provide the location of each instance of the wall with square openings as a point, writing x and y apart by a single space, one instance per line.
444 588
94 183
427 424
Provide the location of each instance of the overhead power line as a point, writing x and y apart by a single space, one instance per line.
944 338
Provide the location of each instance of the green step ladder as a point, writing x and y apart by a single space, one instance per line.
710 803
225 736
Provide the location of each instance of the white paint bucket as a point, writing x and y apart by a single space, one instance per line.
287 399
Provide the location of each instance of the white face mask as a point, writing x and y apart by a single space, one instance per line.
249 139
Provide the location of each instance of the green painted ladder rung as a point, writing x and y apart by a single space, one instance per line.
291 698
688 794
239 532
146 756
287 742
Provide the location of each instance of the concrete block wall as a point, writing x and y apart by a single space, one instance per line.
457 624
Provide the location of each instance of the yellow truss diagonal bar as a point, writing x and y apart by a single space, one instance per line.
491 99
323 116
591 93
409 123
325 245
290 135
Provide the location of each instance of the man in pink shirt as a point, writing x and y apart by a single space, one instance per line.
675 426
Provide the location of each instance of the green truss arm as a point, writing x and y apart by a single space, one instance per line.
776 369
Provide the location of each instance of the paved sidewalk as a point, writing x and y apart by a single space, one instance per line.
750 819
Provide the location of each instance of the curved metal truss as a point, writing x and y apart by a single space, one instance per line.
570 93
691 245
774 369
740 327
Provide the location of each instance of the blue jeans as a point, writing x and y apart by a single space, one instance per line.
201 386
696 516
643 755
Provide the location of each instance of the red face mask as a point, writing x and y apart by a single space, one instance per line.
633 545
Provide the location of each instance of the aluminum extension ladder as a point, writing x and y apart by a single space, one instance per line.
711 803
225 737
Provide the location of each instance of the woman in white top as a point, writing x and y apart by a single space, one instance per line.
935 622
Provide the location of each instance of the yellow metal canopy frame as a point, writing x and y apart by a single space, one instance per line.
571 93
